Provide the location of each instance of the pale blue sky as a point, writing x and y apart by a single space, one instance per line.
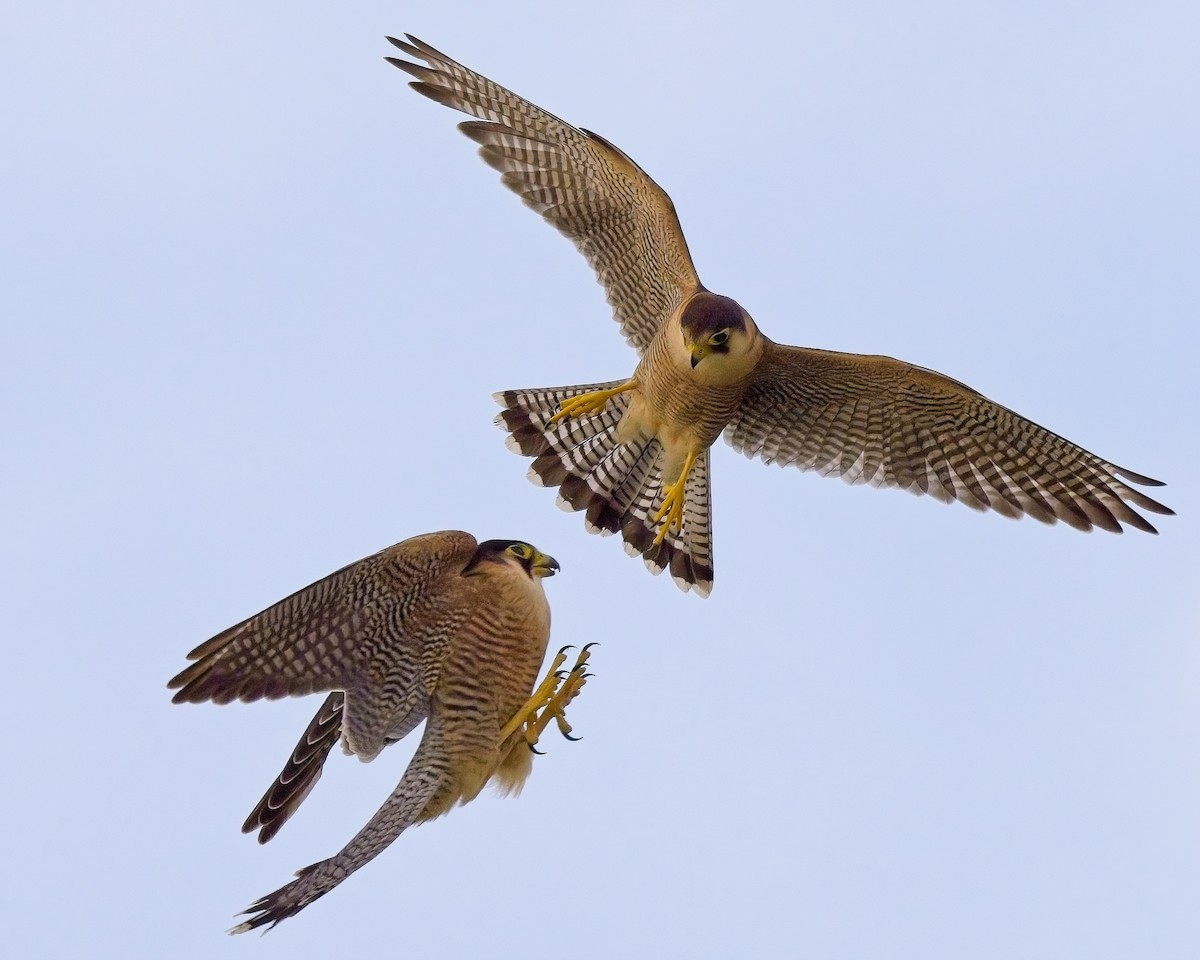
257 297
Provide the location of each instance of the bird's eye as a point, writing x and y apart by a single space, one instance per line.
719 338
520 550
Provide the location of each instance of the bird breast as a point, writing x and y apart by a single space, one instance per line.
685 407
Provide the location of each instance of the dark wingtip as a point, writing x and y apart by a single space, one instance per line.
1155 507
408 48
1138 478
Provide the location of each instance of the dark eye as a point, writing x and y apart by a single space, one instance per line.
520 551
719 338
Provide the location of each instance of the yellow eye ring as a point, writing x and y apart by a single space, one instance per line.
719 338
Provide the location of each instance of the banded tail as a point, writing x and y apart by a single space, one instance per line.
619 486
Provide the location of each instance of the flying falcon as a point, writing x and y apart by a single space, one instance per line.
634 453
438 628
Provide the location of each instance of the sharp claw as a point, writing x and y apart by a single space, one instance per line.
551 697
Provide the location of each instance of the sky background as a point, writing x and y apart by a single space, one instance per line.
257 297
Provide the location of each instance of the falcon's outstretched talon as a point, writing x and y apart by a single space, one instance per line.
550 700
540 697
670 515
567 692
705 369
588 403
673 502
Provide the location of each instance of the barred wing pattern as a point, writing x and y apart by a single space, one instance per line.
334 635
620 220
872 419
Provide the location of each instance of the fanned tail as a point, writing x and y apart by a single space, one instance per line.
618 486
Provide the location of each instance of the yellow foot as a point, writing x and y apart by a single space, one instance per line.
588 403
549 701
671 511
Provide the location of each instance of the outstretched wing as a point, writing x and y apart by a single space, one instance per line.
870 419
617 217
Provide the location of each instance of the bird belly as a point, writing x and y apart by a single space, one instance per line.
685 417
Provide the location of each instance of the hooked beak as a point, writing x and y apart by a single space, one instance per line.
698 351
543 565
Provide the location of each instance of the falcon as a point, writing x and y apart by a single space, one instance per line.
438 628
633 453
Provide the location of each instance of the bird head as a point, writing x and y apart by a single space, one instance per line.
717 327
524 555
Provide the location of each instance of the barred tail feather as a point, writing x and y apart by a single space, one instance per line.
618 486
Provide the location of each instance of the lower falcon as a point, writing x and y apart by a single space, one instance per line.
438 628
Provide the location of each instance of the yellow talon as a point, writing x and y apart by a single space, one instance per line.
671 511
556 708
541 696
588 403
550 700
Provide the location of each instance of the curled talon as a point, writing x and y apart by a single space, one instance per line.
587 404
550 699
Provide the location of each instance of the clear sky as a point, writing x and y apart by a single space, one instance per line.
257 295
